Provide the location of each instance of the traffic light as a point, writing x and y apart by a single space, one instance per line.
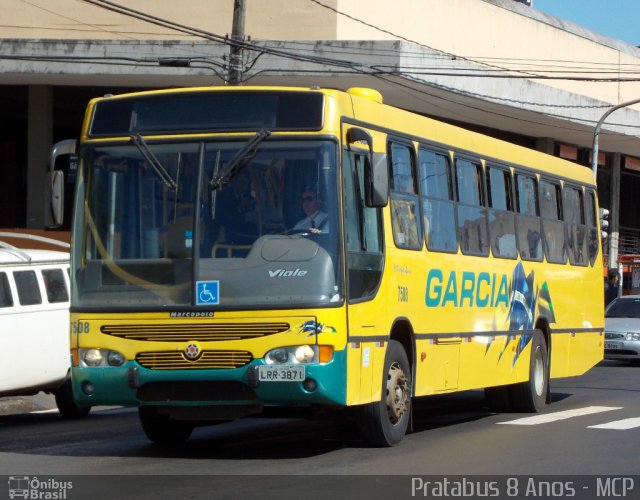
604 223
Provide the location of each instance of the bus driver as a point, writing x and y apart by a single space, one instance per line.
315 220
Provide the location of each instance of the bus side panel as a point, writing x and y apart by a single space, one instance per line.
576 308
493 360
560 355
354 373
365 364
436 366
587 349
366 350
575 353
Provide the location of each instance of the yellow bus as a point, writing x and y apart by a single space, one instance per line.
241 248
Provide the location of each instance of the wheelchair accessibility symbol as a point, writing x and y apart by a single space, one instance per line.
207 293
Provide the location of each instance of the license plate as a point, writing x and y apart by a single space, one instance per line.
612 345
281 373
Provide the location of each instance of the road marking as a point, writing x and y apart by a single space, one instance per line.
560 415
627 423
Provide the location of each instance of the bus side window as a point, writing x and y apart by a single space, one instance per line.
27 285
552 225
437 201
407 232
591 218
6 300
575 225
472 216
502 229
527 219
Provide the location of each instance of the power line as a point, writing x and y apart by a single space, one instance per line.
396 35
485 61
336 63
382 30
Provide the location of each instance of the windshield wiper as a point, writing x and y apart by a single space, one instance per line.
241 158
153 161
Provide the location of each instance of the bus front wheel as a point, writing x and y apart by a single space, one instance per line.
67 405
384 422
161 429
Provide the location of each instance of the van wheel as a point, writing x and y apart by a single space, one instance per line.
161 429
531 396
67 405
384 423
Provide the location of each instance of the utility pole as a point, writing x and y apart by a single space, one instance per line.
235 49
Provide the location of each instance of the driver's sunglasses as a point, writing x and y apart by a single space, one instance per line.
308 198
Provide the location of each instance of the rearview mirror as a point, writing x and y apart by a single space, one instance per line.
55 217
57 197
376 182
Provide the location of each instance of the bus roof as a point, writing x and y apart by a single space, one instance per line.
363 105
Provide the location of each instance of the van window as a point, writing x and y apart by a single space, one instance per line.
6 300
55 285
27 285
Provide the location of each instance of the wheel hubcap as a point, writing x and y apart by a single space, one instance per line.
397 393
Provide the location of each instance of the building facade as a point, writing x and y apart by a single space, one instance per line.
496 66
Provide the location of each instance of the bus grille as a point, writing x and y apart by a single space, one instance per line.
175 360
203 332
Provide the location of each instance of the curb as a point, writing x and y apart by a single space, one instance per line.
16 405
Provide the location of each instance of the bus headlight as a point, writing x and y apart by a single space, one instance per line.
299 354
305 354
100 357
294 354
114 358
91 357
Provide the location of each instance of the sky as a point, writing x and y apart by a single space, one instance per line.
615 18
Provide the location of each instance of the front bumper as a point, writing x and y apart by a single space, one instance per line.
622 349
134 385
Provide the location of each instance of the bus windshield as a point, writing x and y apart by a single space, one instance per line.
166 225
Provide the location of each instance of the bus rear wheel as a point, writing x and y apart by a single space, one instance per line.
531 396
385 422
161 429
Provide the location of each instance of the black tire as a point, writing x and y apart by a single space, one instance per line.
531 396
498 399
384 423
67 405
161 429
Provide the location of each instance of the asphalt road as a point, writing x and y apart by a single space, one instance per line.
592 428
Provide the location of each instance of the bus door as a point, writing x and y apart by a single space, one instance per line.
364 262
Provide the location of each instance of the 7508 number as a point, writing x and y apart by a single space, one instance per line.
80 327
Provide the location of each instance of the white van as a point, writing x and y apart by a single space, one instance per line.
34 323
